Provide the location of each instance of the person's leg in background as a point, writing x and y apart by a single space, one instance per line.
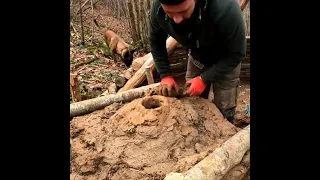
225 92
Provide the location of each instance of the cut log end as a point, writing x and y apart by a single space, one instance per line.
120 81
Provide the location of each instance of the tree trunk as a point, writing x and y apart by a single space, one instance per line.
220 161
139 15
90 105
133 30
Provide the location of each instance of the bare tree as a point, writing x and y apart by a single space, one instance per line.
139 17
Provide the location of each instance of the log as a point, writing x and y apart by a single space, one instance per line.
140 75
74 88
90 105
120 81
220 161
240 170
129 73
137 63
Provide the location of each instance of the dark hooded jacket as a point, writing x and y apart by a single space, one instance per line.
214 35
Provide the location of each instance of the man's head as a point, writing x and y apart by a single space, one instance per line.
178 10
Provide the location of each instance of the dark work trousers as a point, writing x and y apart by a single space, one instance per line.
225 89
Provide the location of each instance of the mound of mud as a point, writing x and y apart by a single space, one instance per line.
146 138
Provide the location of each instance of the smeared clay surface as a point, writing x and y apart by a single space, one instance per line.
146 138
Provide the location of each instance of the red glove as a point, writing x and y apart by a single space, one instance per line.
197 86
168 87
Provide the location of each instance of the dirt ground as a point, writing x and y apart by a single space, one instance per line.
146 138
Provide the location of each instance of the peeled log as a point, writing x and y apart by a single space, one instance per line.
220 161
129 73
140 75
137 63
90 105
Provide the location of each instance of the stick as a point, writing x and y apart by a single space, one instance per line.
86 62
90 105
74 88
149 75
220 161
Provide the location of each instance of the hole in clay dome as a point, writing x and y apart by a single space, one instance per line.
151 103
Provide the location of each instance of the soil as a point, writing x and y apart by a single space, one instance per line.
146 138
241 119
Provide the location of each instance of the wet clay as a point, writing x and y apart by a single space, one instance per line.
146 138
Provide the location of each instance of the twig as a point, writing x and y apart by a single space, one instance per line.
86 62
74 29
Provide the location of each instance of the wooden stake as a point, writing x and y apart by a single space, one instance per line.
74 88
149 75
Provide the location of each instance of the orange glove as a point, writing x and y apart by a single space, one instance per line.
197 86
168 86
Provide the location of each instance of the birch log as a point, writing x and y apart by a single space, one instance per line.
220 161
90 105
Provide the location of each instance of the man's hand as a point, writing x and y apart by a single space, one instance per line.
197 86
168 87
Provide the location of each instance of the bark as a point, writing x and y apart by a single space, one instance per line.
139 17
90 105
133 30
220 161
